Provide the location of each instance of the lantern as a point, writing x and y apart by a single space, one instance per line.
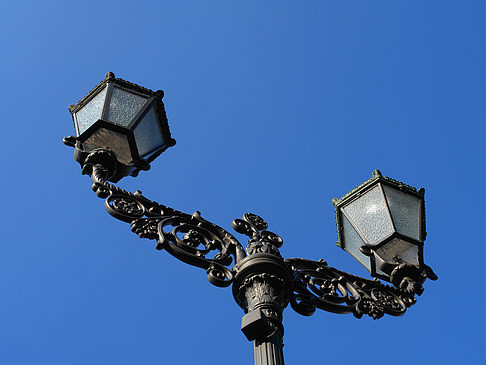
125 118
381 224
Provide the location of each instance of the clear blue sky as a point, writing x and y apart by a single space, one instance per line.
277 107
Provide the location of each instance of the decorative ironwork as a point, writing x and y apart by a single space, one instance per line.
261 240
317 285
261 292
198 242
189 238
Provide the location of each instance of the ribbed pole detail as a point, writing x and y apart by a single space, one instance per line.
269 351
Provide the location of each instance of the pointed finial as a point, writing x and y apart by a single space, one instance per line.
69 141
376 174
109 76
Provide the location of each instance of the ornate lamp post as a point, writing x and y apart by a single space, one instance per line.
122 127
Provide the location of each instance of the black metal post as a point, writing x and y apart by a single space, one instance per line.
269 351
262 287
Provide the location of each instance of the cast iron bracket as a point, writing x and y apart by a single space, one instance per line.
263 282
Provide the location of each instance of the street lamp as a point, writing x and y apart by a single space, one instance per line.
122 127
124 118
381 224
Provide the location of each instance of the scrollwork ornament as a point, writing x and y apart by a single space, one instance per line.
240 226
369 307
219 275
272 238
390 302
195 239
125 208
261 240
146 228
256 221
317 285
302 305
189 238
260 246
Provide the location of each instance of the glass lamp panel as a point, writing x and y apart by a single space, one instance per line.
352 243
398 248
379 272
124 105
370 214
150 155
90 113
110 140
405 211
147 133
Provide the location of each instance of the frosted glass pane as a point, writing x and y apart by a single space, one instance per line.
124 105
90 113
147 133
369 214
406 251
110 140
379 272
405 212
352 243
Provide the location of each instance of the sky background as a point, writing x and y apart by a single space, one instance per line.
277 107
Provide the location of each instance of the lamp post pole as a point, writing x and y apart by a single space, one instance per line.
263 282
262 289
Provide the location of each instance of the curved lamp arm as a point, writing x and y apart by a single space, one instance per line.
317 285
189 238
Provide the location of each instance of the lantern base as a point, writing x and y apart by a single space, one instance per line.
115 169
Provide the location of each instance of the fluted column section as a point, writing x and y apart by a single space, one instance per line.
269 351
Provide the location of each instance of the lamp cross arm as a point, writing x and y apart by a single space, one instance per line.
189 238
196 241
319 286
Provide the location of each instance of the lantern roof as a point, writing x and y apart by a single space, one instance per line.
377 177
110 77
